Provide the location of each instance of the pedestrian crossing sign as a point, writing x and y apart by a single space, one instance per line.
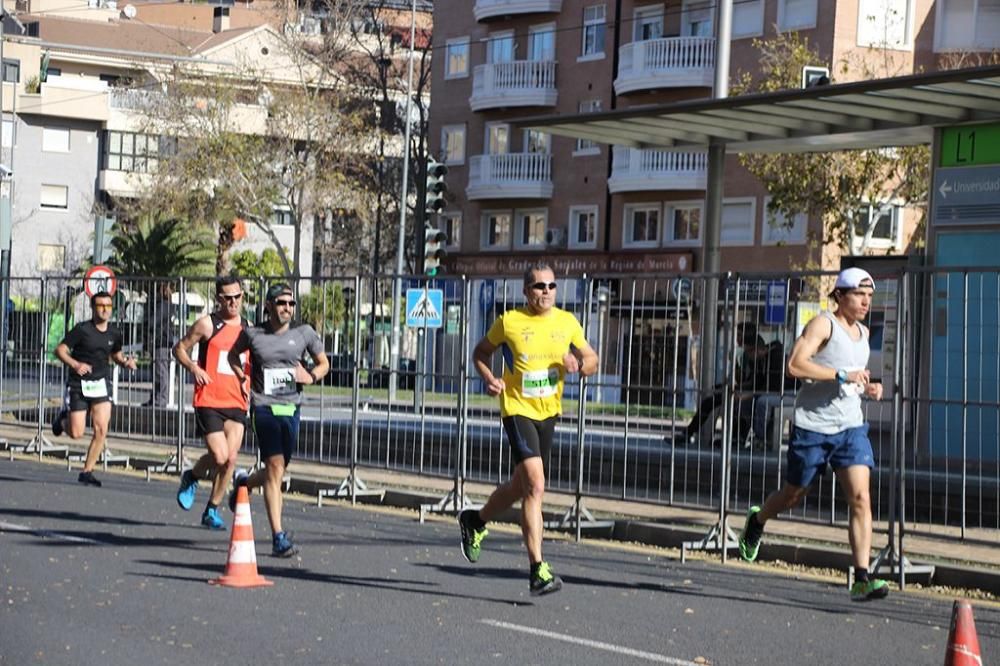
424 308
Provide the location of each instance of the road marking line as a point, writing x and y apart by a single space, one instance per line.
618 649
11 527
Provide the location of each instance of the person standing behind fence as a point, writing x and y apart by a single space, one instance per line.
276 348
86 350
162 338
220 399
831 357
540 344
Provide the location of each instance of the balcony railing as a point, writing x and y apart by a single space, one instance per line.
634 170
672 62
485 9
510 176
517 83
135 99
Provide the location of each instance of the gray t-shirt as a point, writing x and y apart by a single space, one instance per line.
273 357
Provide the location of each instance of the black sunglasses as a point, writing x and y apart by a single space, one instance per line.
289 303
539 286
232 298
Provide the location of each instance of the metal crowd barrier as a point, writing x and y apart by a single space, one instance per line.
627 433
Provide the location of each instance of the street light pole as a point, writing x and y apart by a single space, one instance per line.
397 286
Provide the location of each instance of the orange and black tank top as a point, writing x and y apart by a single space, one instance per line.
224 391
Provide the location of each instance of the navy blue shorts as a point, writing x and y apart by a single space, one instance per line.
529 438
810 452
276 433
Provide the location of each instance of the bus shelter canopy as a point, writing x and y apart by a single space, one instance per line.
899 111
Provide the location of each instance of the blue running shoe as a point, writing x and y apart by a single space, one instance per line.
187 490
212 520
283 546
240 477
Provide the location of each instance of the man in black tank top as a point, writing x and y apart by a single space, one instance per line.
86 350
831 359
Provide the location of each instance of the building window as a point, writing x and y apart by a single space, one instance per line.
684 223
536 141
281 216
583 226
967 24
887 222
748 19
135 153
51 257
593 32
451 225
775 229
453 144
648 23
500 47
456 63
7 139
497 138
587 146
55 197
542 43
796 14
53 71
531 226
885 23
737 222
642 225
696 18
496 230
11 70
55 139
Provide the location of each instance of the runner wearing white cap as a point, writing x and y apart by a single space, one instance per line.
831 357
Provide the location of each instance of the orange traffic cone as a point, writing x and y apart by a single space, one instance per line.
963 644
241 569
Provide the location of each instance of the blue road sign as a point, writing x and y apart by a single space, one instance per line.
776 304
424 308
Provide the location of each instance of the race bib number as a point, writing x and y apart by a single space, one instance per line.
94 388
279 381
539 383
223 367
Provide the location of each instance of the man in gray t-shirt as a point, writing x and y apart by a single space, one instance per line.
277 348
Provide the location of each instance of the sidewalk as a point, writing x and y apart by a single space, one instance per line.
973 563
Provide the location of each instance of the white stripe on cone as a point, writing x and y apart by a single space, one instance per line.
242 516
242 552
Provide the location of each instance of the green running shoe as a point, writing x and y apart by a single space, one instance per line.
750 536
472 538
543 581
868 590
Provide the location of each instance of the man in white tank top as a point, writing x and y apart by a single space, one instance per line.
831 359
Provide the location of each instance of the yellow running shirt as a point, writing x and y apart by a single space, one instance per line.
533 347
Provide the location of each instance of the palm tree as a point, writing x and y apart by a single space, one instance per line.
161 248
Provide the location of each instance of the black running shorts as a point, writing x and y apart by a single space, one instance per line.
211 419
529 438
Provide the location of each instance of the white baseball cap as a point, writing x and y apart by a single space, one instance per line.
851 278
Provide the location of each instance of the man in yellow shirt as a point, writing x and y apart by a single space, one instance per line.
540 344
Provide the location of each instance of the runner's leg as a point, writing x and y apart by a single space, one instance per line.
100 418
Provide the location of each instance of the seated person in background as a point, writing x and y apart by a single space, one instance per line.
764 368
759 371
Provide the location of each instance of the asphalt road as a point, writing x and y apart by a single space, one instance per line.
118 575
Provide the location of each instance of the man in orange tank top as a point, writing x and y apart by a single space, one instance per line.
220 402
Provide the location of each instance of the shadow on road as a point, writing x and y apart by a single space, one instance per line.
397 585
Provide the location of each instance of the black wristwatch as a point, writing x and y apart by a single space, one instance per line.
842 376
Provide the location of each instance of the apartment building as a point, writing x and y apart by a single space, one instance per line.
74 90
588 207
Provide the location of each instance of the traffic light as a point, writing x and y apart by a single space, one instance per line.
434 198
434 242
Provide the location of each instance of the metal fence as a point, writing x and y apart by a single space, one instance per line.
647 430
